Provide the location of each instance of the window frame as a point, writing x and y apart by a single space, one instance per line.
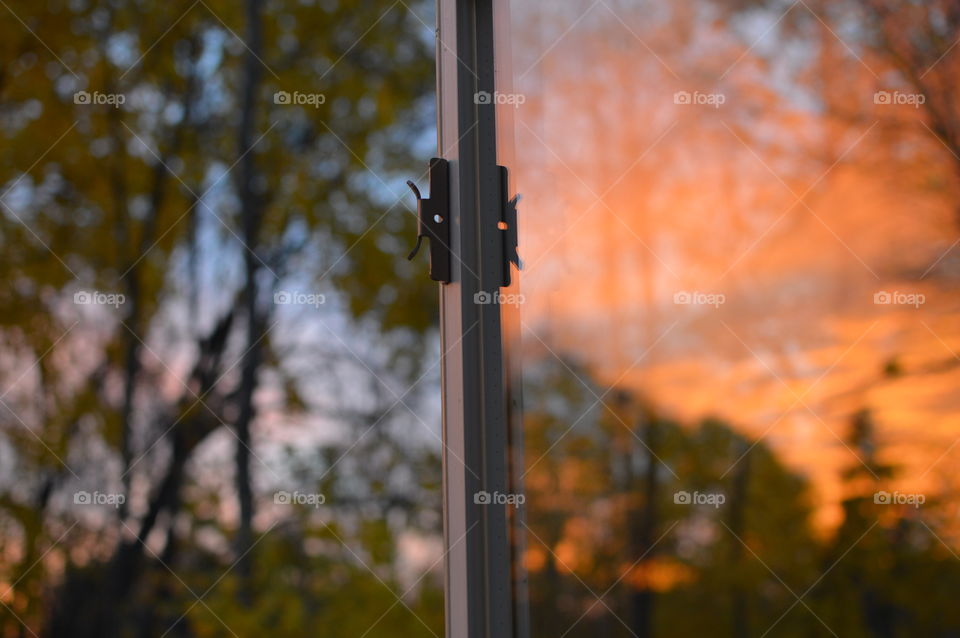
480 582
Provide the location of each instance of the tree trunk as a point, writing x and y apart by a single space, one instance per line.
738 505
643 527
251 202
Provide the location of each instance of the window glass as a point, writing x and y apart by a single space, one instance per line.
737 318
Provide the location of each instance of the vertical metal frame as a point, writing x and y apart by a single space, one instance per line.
478 582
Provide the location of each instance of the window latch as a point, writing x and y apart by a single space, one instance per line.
433 220
508 227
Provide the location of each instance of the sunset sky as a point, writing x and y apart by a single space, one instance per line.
785 206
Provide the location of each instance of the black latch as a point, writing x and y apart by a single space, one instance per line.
508 227
433 222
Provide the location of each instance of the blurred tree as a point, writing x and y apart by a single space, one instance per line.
750 565
223 175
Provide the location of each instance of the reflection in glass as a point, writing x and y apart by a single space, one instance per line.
738 321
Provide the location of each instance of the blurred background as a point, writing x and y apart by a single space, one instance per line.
219 405
738 314
737 318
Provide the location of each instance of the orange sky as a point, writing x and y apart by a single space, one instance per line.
797 219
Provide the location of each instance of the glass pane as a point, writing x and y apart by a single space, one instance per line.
220 406
737 317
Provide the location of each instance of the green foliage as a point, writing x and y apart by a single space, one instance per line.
140 196
601 521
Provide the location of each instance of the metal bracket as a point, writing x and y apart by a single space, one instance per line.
508 227
433 220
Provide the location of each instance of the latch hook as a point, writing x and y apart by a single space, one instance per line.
432 220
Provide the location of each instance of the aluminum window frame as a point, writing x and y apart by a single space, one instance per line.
479 581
